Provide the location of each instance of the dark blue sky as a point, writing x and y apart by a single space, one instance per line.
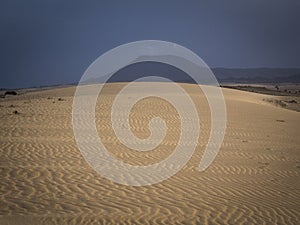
51 42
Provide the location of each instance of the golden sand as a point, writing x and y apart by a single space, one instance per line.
45 180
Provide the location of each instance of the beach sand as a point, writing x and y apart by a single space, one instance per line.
44 179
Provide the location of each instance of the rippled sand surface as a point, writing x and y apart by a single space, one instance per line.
45 180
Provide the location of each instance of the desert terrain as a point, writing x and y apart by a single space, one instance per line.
44 179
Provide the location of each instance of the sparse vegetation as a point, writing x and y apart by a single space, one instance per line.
292 101
275 90
276 102
10 93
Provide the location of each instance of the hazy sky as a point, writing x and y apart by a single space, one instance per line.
47 42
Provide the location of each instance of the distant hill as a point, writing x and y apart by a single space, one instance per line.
223 75
258 75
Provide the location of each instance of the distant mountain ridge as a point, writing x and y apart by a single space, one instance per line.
223 75
257 75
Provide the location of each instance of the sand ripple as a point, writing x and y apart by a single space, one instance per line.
45 180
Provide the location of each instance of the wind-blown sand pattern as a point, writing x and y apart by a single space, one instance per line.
45 180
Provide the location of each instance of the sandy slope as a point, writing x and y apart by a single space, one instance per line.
45 180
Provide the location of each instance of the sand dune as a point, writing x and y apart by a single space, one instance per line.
44 179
